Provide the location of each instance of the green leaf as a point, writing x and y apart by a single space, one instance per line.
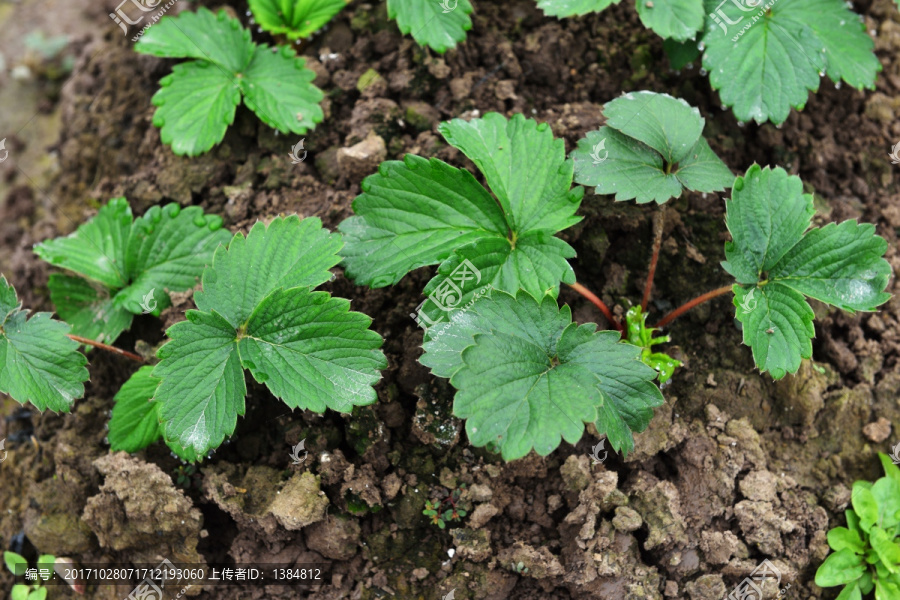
864 505
202 390
777 264
412 214
278 87
196 104
135 420
850 592
11 560
840 568
20 592
38 594
649 150
841 537
286 253
891 469
887 550
38 362
312 351
422 212
167 250
525 167
681 53
164 250
527 376
97 248
439 24
638 334
203 35
679 20
295 18
572 8
88 308
886 492
197 101
886 590
764 70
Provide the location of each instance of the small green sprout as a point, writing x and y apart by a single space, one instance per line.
440 515
18 565
640 335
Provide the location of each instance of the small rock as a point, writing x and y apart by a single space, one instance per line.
482 514
335 537
878 431
480 493
671 590
300 502
627 519
760 485
362 159
576 472
473 544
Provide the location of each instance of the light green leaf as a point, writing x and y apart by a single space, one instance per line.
776 264
215 38
886 492
197 103
135 420
850 592
287 253
202 390
767 61
572 8
295 18
886 590
891 470
650 148
97 248
168 250
864 505
839 568
841 537
312 351
888 551
88 308
679 20
669 125
20 592
525 167
528 376
412 214
438 24
38 594
38 362
11 560
278 87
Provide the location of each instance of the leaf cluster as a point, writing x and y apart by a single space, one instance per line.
650 149
295 19
17 564
866 553
197 102
122 266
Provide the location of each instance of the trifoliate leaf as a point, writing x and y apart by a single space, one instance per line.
135 421
765 60
527 376
130 266
257 311
649 150
287 253
295 18
196 104
572 8
97 249
202 390
679 20
312 351
440 24
777 262
422 212
197 101
38 362
278 87
88 308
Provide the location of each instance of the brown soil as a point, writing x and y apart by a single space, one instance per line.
734 468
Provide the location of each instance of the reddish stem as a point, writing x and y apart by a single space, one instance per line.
659 220
689 305
599 304
112 349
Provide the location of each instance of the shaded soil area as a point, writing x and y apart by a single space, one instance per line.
734 468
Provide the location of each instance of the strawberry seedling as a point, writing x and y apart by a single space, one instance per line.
123 266
197 102
258 311
295 19
866 553
526 375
